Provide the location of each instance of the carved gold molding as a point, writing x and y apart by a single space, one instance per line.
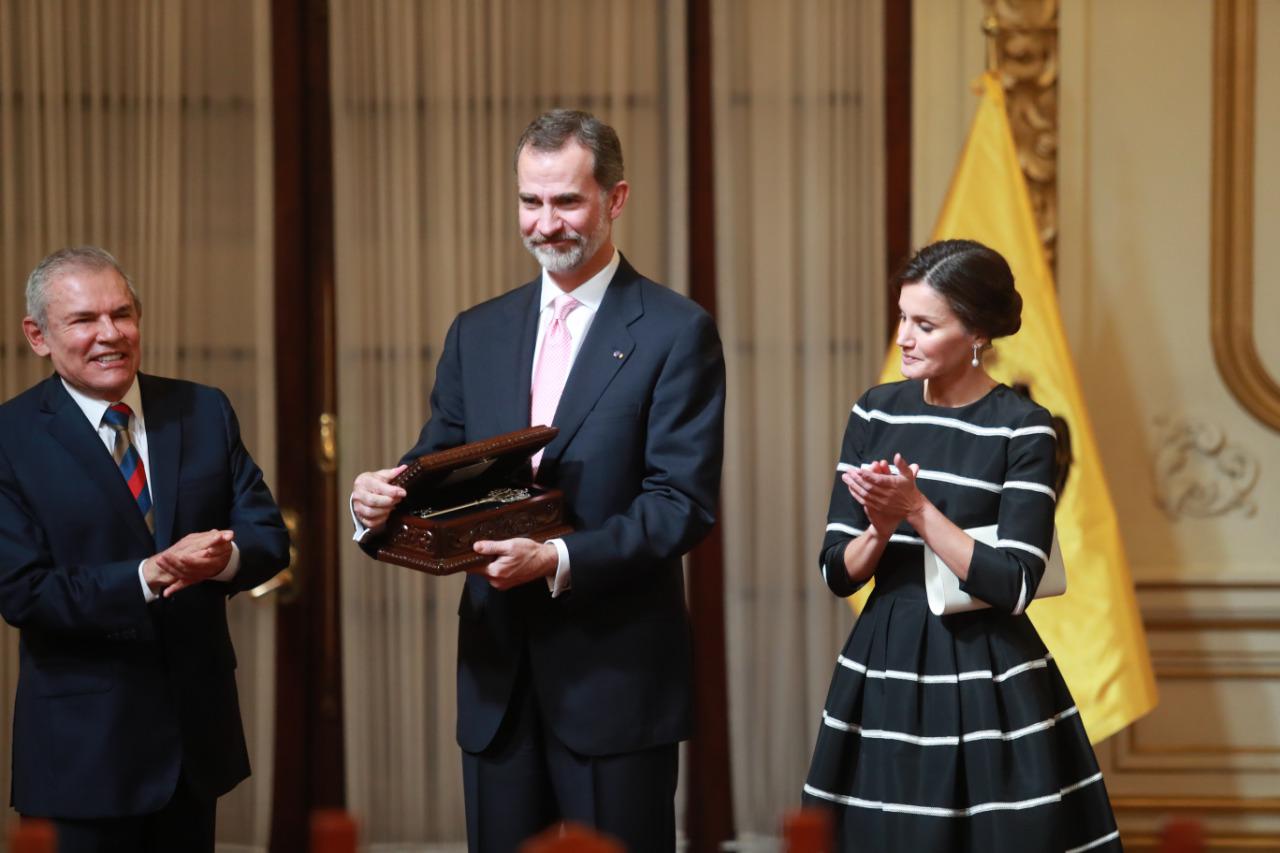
1022 46
1231 235
1199 473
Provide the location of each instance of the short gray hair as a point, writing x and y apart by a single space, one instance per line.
63 261
551 130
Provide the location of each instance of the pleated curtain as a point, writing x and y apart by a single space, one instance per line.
144 126
799 249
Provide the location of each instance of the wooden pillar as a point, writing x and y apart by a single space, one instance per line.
709 801
309 771
897 145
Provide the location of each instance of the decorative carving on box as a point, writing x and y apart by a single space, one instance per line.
460 496
1022 46
1199 473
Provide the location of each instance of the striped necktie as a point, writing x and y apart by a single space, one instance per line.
126 456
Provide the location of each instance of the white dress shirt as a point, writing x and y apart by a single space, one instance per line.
94 411
590 293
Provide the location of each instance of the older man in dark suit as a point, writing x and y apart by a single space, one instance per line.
574 656
129 512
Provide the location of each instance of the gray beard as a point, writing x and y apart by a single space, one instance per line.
582 250
557 261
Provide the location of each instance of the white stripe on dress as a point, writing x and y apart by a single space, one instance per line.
1031 487
929 474
837 527
1097 842
952 423
1022 546
1021 606
970 675
958 480
938 811
946 740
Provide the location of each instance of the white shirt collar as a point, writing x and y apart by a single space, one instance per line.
94 409
590 293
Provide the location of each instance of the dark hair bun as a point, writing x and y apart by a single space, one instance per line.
975 280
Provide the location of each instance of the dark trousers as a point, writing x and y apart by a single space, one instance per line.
185 825
528 780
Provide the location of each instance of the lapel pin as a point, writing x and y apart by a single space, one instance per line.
618 354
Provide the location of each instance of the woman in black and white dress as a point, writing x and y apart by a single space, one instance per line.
956 732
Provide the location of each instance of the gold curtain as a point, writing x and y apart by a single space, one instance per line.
144 126
428 101
800 246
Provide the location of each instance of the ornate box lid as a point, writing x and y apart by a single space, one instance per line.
459 496
501 460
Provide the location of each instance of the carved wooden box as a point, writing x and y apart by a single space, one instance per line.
459 496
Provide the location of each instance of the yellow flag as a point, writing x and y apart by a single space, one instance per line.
1094 631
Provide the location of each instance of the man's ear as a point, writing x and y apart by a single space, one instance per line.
617 198
35 336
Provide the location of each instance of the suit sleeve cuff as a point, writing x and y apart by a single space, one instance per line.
563 581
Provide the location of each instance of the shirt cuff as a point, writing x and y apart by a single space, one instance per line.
563 581
233 565
147 594
361 530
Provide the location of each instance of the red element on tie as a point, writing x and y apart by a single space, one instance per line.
137 482
130 461
552 369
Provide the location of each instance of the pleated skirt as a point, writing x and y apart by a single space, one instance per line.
954 733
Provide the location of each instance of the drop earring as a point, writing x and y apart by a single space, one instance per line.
975 361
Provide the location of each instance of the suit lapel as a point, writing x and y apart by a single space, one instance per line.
164 447
70 428
606 348
512 384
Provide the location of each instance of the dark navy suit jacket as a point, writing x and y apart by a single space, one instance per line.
638 457
116 695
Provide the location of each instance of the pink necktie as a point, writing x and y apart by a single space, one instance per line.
553 367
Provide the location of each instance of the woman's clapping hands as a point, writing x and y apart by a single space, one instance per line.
888 494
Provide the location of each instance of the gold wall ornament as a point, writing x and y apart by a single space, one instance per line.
1231 233
1199 473
1022 47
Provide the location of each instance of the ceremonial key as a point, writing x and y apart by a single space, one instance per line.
497 496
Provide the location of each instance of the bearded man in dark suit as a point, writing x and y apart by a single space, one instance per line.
574 658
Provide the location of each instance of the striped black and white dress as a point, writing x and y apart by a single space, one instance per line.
954 733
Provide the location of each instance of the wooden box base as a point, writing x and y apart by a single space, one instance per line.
443 546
